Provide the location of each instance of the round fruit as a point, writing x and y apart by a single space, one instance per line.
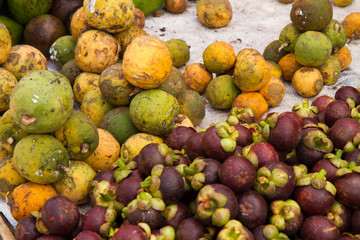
289 66
109 15
192 105
16 29
351 24
253 100
49 158
330 70
307 81
83 83
344 56
9 176
147 62
5 44
197 77
336 32
22 11
126 36
62 50
214 13
153 111
273 91
7 84
42 101
219 57
78 23
180 51
148 7
342 3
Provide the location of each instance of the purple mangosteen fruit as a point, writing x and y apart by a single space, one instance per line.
241 115
87 235
341 216
26 229
260 153
127 190
348 92
268 232
343 131
177 137
330 163
192 229
193 145
175 213
319 227
334 111
234 230
99 220
305 110
355 221
130 232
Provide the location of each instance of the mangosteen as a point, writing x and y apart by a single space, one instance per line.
104 174
268 232
87 235
330 163
343 131
123 170
50 237
245 135
215 205
319 227
145 208
347 185
165 183
155 153
349 236
202 171
241 115
321 102
352 155
348 92
234 230
305 110
26 229
63 9
355 221
175 213
238 173
252 207
192 229
219 141
127 190
334 111
284 131
341 216
59 215
177 137
193 145
99 220
131 232
313 145
286 216
275 181
166 232
314 193
260 153
103 194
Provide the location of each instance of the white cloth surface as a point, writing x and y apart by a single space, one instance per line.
255 23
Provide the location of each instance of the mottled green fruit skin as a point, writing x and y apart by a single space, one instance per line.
16 30
114 87
192 105
180 51
40 158
312 48
44 95
78 130
118 122
336 32
221 92
175 84
289 35
311 15
272 53
70 70
22 10
330 70
148 7
10 132
62 50
153 111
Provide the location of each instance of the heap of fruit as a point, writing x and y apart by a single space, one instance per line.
108 131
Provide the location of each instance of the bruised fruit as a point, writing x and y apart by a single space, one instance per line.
180 51
175 84
62 50
26 229
192 105
273 91
176 6
16 29
118 122
311 15
96 50
288 37
219 57
29 197
106 153
23 11
75 184
126 36
110 16
351 24
272 53
42 101
79 135
42 30
83 83
24 59
49 158
344 57
114 86
9 176
289 66
336 32
312 48
214 13
78 23
221 92
70 70
251 70
153 111
139 18
253 100
5 45
197 77
147 62
307 81
7 84
330 70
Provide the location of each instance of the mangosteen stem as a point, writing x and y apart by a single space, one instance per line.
27 120
189 171
263 180
146 183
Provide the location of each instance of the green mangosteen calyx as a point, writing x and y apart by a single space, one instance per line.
233 230
335 159
194 174
251 155
123 169
152 183
318 181
267 181
305 109
103 194
284 211
300 170
229 135
240 114
270 231
335 213
355 143
211 205
317 139
352 167
166 232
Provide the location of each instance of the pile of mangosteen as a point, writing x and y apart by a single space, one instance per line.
290 175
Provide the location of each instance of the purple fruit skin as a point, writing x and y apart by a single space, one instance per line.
193 146
334 111
177 137
346 92
343 131
328 167
319 227
355 221
190 229
129 232
348 189
265 153
93 219
127 190
25 229
88 235
212 146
